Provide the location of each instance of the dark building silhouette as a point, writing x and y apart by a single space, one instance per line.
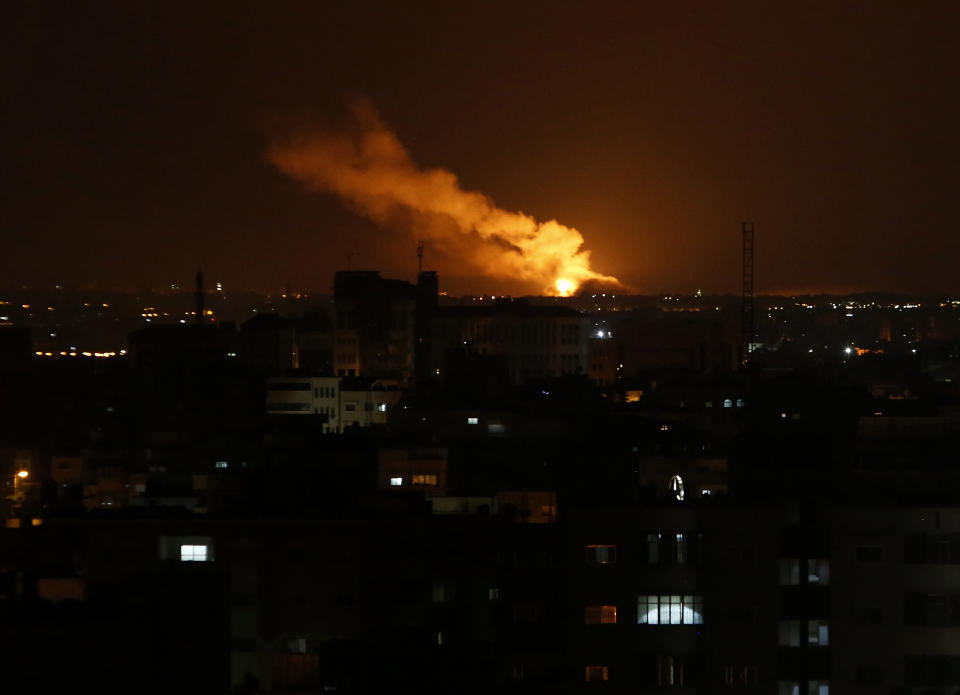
380 324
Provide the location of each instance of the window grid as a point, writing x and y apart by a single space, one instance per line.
193 553
669 609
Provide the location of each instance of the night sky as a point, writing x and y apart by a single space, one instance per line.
134 137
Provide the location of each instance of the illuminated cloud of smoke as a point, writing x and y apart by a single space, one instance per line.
366 165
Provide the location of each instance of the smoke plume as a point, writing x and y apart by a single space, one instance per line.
367 166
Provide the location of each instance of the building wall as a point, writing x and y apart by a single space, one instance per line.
535 345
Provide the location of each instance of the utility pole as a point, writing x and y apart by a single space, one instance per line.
419 257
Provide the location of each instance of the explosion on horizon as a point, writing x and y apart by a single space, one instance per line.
367 165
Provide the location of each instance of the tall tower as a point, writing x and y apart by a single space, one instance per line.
746 302
199 297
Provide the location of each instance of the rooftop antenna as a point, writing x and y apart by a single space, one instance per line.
419 256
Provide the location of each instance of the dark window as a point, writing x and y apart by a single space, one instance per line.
290 386
931 548
739 675
668 670
868 675
936 670
931 610
601 554
870 615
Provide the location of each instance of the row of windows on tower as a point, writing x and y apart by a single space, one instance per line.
656 549
653 609
676 670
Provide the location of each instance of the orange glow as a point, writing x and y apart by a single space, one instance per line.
370 169
23 474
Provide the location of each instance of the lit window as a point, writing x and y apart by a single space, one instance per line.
596 674
193 553
669 610
818 633
676 486
424 479
396 482
727 403
818 571
222 464
493 593
601 554
601 615
818 688
381 407
788 688
473 421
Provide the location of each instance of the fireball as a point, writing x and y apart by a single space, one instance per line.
565 287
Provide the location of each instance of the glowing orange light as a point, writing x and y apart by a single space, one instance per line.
23 474
564 287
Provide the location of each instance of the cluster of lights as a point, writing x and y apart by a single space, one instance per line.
76 353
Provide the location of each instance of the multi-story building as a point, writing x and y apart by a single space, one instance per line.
533 342
380 324
342 401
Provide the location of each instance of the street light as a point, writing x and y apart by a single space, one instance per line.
23 474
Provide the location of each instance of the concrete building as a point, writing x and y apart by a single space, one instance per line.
379 323
341 402
533 342
421 469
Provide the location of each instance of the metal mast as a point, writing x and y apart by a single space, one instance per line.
746 305
199 297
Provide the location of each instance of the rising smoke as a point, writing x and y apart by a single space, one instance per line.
367 166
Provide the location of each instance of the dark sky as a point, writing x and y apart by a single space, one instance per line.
133 137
